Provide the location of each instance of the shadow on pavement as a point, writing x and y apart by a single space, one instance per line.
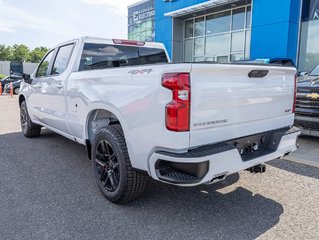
47 192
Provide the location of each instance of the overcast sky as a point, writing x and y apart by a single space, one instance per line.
49 22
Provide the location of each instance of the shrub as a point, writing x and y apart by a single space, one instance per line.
2 76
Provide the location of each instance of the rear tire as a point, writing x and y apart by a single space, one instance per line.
29 129
113 172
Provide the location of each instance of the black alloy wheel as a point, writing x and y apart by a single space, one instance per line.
107 166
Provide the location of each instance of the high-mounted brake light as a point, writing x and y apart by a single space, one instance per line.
128 42
295 96
178 110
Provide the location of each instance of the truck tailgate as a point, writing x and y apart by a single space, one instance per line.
226 103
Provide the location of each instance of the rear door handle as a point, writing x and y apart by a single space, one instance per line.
37 85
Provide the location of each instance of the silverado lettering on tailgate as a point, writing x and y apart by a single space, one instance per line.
211 123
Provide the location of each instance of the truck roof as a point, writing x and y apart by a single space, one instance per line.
88 39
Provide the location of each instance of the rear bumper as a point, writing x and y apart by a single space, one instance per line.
211 163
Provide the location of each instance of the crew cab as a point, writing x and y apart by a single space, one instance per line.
139 114
307 105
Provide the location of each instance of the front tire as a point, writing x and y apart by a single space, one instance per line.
16 91
29 129
113 172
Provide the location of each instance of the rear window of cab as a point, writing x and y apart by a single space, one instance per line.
101 56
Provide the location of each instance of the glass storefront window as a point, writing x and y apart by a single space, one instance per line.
188 51
189 28
149 32
199 47
210 59
142 35
236 57
247 44
198 59
238 21
149 24
222 36
138 36
309 51
218 23
217 45
248 17
199 27
237 41
222 59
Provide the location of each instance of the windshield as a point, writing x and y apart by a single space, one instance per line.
315 71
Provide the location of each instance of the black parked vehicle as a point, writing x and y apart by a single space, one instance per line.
288 62
307 104
4 81
15 86
8 80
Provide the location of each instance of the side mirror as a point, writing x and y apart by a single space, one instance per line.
27 78
301 74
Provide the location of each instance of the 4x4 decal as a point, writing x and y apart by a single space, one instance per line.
148 71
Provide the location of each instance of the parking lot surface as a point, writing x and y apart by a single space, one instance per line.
47 192
308 151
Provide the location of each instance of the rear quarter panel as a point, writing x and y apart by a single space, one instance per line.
135 96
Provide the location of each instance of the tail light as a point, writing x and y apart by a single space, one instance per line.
178 110
295 96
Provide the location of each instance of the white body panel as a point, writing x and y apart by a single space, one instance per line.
227 104
138 101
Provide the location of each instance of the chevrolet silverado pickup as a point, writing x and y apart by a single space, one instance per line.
139 114
307 105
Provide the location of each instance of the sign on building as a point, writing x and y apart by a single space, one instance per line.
141 19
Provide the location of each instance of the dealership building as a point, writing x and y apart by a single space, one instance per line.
230 30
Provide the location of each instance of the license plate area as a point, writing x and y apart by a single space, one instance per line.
258 145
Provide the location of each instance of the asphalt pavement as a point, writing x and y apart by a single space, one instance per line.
47 191
308 151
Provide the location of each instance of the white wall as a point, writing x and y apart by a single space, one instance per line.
28 67
5 68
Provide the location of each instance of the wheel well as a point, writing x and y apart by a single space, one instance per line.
21 99
98 119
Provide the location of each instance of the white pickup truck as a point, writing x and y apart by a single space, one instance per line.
184 124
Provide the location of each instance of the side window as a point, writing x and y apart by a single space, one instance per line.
62 59
44 66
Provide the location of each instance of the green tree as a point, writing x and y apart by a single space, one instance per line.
20 52
5 53
37 54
